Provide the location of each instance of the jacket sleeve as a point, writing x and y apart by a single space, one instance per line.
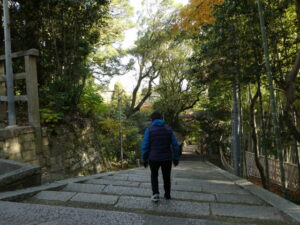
175 147
145 150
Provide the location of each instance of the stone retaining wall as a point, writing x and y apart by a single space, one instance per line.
68 149
19 144
74 149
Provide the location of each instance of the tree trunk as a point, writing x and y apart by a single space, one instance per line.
298 13
291 97
263 130
242 149
151 74
298 165
296 153
236 142
254 139
235 132
275 121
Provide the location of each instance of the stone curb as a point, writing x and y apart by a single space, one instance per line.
276 201
28 192
19 173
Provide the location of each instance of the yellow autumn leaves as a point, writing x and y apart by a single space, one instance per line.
196 14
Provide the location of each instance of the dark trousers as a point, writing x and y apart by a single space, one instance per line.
166 171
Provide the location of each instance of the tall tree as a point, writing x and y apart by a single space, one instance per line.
65 33
108 56
275 120
150 51
177 88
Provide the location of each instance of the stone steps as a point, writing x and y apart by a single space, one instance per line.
12 213
201 194
89 187
134 196
178 208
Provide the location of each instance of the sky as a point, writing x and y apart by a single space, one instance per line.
128 80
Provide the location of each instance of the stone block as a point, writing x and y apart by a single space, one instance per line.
14 156
117 177
3 155
245 211
142 178
113 182
95 198
55 195
241 199
187 188
45 141
14 145
148 185
13 132
134 191
35 162
118 190
193 196
222 188
199 182
86 188
28 137
164 206
46 149
29 156
29 145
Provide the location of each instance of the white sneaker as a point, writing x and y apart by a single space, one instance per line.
155 198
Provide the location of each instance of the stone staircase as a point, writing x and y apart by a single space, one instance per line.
201 194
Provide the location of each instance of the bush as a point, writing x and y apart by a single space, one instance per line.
49 116
91 103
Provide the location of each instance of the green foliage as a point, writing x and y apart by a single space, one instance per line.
91 102
49 116
142 119
151 50
64 32
177 89
107 58
76 39
67 34
132 143
233 46
110 139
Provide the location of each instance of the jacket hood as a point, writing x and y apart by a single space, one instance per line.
158 123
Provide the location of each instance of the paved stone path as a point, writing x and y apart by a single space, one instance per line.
202 194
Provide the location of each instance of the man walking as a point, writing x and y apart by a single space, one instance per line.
157 151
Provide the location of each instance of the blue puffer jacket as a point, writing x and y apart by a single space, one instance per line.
157 142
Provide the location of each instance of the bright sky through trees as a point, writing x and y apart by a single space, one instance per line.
128 80
131 35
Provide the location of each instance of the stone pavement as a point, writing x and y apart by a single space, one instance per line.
202 194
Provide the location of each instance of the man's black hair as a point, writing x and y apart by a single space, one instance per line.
156 116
